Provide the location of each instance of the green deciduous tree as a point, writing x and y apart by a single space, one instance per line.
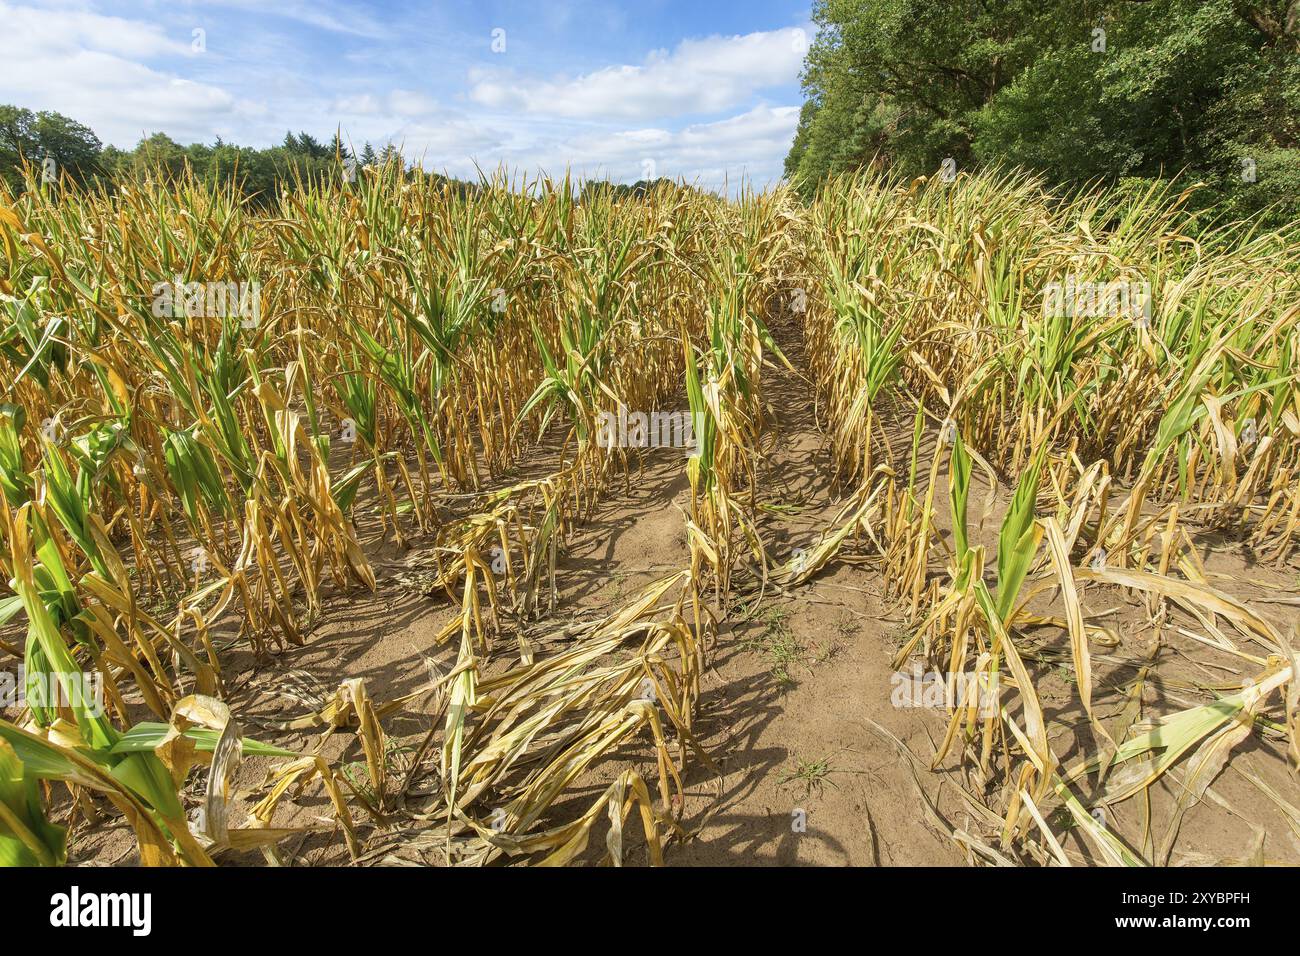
31 137
1076 91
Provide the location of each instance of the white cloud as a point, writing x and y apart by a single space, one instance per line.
750 146
622 122
62 30
397 103
700 76
448 142
315 13
82 64
363 104
411 103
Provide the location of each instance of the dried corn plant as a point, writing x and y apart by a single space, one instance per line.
381 358
212 413
1131 387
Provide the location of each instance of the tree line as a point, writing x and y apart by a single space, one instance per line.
28 138
1078 91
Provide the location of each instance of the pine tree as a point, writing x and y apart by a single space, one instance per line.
339 149
313 147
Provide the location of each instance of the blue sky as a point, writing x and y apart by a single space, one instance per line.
704 90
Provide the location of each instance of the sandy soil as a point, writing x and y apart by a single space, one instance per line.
793 697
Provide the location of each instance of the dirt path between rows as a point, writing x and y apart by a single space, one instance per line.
787 696
795 693
788 705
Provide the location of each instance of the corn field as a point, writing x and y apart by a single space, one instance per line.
186 481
